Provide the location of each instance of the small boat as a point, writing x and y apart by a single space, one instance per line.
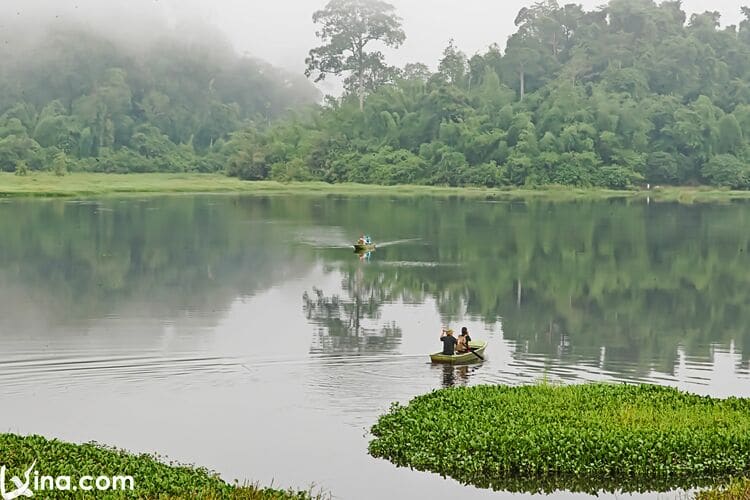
477 355
360 248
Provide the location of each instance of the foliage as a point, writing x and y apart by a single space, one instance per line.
60 164
726 170
22 169
169 106
580 437
152 477
348 27
628 94
617 97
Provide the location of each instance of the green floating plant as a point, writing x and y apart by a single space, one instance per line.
152 477
585 438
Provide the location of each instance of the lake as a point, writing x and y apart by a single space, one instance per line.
242 333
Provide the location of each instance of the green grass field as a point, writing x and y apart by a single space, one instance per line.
44 184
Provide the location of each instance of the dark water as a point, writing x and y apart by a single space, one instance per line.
241 334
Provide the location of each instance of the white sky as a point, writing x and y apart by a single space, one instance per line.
282 32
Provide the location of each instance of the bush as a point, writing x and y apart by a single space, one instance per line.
726 171
487 174
22 169
60 164
616 177
293 170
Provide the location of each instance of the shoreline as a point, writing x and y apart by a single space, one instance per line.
87 185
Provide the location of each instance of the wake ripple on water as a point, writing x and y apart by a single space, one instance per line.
18 375
335 239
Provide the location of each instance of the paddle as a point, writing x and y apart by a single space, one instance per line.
475 353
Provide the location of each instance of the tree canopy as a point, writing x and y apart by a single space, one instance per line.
348 27
632 92
170 106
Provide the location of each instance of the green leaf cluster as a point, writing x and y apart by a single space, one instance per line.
167 107
578 437
629 94
152 477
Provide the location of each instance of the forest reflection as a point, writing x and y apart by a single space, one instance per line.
602 282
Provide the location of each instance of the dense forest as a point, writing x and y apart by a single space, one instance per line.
633 92
74 99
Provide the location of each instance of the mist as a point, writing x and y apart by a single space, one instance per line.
282 32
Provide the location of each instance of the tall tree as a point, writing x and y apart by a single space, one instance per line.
348 27
744 32
452 66
534 49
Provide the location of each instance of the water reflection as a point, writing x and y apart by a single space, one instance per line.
456 376
349 324
176 304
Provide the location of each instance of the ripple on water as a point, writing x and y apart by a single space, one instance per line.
19 374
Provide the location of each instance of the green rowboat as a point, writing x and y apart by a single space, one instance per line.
364 248
467 357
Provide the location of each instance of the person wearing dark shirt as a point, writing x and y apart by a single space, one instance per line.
449 342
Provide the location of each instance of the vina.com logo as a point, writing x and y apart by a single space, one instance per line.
34 482
22 488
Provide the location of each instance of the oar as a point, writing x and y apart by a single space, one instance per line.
475 353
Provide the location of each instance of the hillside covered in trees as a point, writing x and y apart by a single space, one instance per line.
629 93
75 99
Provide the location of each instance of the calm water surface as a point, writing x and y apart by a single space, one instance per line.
240 333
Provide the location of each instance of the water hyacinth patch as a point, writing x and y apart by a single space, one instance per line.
580 437
152 477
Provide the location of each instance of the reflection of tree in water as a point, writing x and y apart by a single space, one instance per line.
340 323
183 259
569 279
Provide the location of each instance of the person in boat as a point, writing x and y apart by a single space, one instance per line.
449 341
361 240
462 342
368 240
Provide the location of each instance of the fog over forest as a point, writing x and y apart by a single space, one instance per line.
489 94
281 32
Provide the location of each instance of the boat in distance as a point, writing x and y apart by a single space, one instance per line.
361 248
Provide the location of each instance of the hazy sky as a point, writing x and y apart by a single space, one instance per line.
282 32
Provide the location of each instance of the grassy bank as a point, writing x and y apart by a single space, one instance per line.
90 184
151 477
581 438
